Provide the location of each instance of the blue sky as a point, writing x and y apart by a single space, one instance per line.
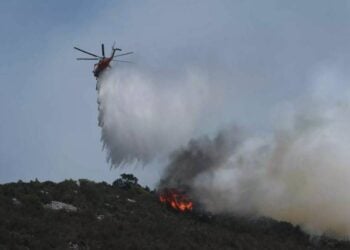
265 52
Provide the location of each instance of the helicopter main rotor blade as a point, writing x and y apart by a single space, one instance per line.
87 59
122 61
103 49
87 52
124 54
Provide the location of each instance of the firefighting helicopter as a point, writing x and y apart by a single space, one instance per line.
104 62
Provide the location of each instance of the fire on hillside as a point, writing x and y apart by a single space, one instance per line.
176 199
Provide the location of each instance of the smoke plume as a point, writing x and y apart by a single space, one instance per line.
201 155
299 174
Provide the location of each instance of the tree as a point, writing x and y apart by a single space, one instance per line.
126 181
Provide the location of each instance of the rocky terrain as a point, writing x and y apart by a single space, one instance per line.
87 215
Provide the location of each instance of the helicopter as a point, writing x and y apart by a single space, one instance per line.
104 62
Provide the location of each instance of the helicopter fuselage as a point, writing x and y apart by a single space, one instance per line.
101 66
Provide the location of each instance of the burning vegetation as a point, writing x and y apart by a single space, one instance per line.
176 199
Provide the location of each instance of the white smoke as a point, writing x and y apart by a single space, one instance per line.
300 174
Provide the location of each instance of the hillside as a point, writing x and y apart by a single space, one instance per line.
104 216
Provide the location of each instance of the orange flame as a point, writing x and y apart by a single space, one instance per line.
177 200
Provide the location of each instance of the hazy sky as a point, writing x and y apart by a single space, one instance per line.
266 52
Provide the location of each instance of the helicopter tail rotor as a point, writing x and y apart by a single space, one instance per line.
113 47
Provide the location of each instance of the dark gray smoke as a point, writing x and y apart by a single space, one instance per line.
200 155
